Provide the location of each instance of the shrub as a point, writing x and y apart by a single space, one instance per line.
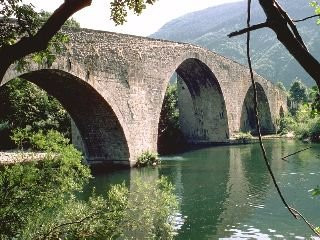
287 124
52 141
152 207
148 159
38 202
26 189
305 124
39 199
243 137
21 137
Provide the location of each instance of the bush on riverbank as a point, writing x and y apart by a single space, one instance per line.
39 200
27 189
148 159
243 137
305 124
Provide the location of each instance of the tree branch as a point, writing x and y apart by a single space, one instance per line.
293 211
306 18
291 24
256 111
287 33
69 223
284 158
313 228
27 45
249 29
279 24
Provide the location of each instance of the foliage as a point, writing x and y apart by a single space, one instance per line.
21 20
316 6
27 189
119 8
21 137
142 213
286 124
281 86
151 209
304 121
26 21
171 138
244 137
70 23
298 92
49 142
148 159
170 111
314 98
304 124
23 104
39 200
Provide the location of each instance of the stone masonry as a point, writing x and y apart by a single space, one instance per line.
113 86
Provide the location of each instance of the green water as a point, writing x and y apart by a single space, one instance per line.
226 193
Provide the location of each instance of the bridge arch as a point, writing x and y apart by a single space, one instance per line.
103 137
247 120
202 110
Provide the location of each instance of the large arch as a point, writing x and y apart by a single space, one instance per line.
103 137
202 109
247 120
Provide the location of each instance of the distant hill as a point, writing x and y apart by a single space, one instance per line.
209 28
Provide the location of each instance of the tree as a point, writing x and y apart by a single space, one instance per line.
24 104
28 34
40 199
171 138
281 86
298 92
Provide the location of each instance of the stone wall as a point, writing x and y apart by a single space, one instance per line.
113 86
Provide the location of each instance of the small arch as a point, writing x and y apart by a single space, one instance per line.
247 120
102 134
202 109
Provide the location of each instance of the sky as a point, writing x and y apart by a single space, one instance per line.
97 16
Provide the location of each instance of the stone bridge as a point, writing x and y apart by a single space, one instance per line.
113 86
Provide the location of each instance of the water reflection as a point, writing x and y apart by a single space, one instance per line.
226 192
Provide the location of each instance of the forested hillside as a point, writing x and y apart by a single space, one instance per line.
209 28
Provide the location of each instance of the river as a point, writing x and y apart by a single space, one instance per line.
225 192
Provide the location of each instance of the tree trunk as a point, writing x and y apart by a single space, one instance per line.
27 45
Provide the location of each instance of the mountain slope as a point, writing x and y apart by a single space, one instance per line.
209 28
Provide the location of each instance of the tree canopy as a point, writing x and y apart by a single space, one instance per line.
298 92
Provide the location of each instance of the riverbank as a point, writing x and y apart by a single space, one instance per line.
255 139
17 156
